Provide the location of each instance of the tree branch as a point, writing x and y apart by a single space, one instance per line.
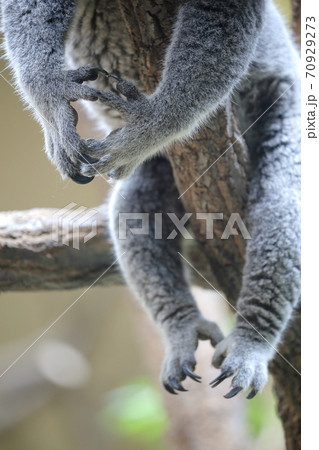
37 253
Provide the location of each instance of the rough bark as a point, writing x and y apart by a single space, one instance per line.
32 261
296 19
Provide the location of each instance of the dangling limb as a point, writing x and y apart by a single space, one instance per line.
271 278
153 267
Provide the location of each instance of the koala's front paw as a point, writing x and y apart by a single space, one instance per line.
179 361
247 358
123 150
52 96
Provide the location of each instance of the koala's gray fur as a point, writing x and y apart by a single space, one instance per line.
218 48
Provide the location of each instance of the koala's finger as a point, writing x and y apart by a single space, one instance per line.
128 89
65 165
69 138
114 101
86 73
87 159
106 164
83 92
103 147
96 169
122 172
67 156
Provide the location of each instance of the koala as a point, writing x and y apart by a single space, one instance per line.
218 50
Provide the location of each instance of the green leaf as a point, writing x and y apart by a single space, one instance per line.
135 411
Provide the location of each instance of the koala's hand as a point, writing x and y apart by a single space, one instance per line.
123 150
249 358
51 97
179 361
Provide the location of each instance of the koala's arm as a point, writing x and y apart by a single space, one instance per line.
211 47
34 35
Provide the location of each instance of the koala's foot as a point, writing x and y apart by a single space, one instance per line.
179 361
248 359
124 149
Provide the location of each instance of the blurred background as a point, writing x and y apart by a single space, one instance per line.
91 381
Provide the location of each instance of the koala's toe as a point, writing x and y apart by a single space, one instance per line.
177 369
188 369
220 353
209 330
225 374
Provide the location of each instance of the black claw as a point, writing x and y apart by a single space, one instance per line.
176 385
188 372
233 392
111 75
252 394
87 159
169 389
221 378
104 72
94 73
91 74
81 179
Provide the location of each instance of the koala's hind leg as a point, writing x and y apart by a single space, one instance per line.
271 276
153 267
